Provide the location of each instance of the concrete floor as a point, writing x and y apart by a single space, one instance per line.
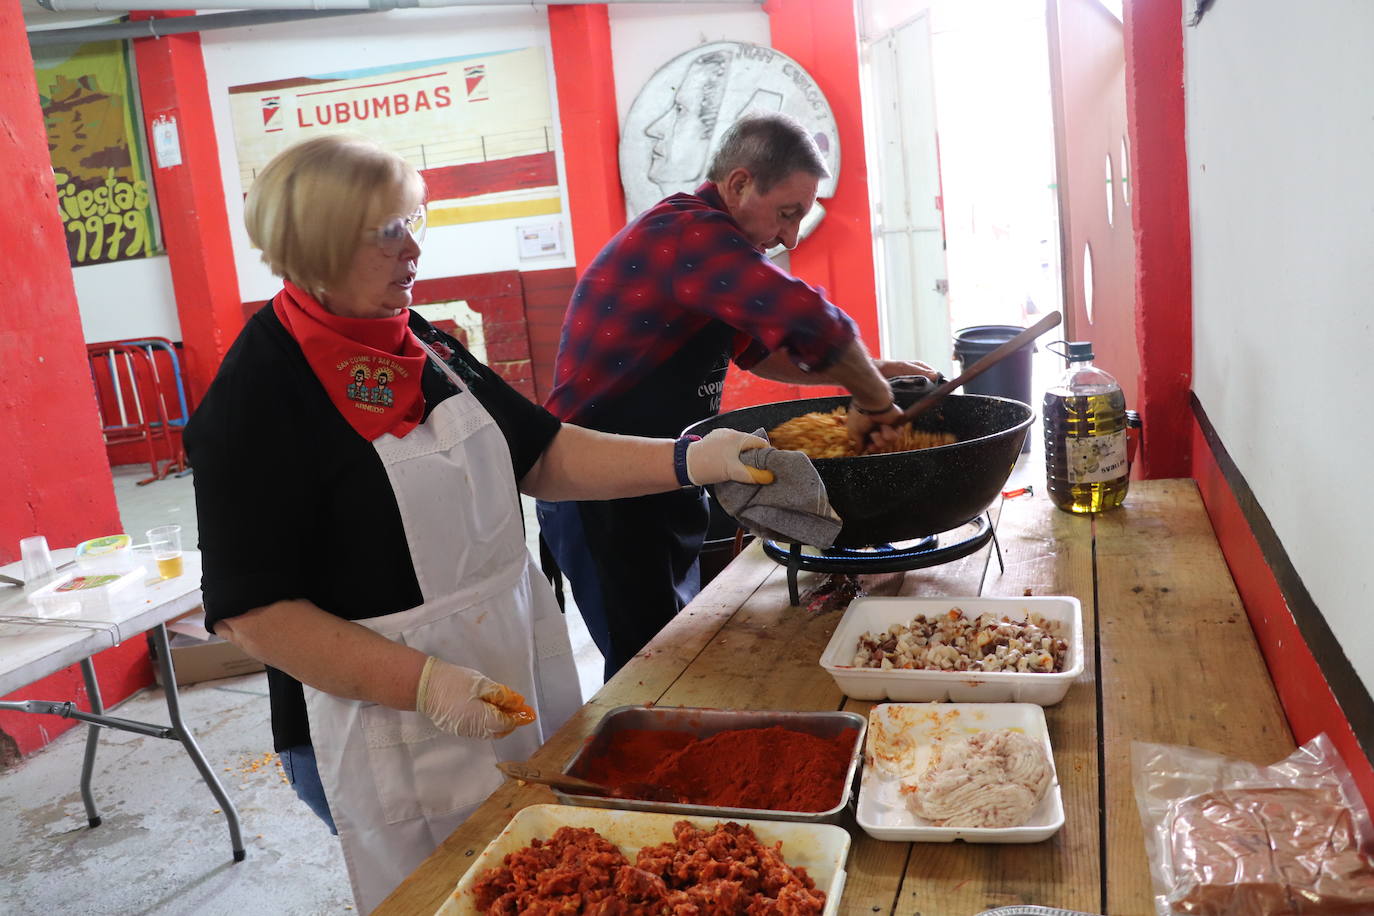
164 847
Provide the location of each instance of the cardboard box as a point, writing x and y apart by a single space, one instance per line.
198 655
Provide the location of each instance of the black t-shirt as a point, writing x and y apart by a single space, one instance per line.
292 503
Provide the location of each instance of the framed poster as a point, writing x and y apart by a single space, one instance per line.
479 127
87 95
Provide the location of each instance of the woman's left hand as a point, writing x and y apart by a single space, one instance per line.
715 459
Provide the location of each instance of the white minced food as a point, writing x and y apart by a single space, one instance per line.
990 779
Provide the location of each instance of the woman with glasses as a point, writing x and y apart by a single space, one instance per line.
357 487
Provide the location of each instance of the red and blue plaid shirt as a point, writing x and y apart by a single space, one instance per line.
665 278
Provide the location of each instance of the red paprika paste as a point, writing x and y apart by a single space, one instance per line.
772 768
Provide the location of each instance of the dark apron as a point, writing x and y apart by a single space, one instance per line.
632 563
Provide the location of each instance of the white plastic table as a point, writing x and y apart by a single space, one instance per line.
34 644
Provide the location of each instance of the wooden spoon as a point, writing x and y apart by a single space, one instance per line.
577 786
983 365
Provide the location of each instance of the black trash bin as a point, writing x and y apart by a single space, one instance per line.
1011 378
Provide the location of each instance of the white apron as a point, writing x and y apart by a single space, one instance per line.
397 786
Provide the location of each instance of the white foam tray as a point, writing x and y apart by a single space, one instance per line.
875 615
820 848
882 810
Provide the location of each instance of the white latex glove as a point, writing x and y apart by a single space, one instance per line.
715 459
467 703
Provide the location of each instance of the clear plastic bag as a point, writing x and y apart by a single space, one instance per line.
1229 838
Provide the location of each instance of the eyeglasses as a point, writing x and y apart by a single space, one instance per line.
391 237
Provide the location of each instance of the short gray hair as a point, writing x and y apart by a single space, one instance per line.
771 147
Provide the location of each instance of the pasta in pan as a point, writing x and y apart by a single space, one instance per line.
824 435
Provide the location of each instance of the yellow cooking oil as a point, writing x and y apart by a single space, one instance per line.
1085 437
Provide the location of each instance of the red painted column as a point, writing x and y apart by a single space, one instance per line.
822 36
190 198
580 37
56 477
1163 244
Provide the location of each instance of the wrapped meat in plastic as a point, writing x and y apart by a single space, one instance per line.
1234 843
1227 838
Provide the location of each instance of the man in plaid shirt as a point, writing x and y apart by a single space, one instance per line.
678 294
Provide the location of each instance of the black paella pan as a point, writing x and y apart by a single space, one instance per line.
906 495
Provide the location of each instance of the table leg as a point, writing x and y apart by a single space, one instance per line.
188 741
92 739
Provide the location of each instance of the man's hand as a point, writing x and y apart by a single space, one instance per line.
866 427
896 368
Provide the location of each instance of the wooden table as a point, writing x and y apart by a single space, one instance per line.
1170 658
35 644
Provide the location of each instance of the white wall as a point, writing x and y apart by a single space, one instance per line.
1280 140
262 53
645 36
127 299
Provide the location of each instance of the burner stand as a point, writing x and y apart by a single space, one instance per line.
881 558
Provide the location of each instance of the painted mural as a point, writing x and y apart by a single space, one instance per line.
677 120
479 128
102 189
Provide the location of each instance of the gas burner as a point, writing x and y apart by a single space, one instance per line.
883 558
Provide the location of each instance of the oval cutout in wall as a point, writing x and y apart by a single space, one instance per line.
1088 280
1125 172
1111 197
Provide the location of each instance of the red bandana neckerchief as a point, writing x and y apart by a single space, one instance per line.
370 367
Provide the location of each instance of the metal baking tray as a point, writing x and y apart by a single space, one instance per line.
703 723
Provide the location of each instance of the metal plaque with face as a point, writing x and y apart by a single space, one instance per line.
676 122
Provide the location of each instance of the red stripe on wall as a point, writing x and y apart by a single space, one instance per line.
538 170
1302 687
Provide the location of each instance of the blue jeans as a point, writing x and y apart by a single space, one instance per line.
632 563
299 764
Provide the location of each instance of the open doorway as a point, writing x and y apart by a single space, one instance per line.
961 138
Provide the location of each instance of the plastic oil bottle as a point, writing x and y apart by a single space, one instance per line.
1085 436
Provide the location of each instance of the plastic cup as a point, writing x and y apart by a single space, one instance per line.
165 543
36 558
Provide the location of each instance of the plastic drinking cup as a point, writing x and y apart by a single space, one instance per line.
37 559
165 542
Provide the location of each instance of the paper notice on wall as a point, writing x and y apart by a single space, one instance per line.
166 143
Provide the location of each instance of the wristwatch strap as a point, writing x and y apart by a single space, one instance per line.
872 413
680 459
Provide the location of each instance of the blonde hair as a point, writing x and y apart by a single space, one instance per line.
309 208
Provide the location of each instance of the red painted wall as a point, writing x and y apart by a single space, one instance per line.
822 36
58 482
580 39
1307 700
546 300
1159 212
195 222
